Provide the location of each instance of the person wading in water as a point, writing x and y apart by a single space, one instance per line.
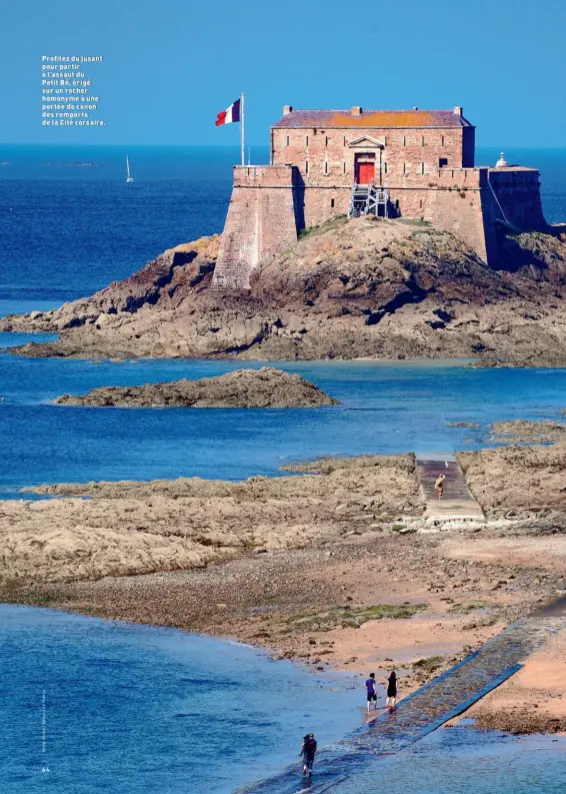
391 701
308 752
371 693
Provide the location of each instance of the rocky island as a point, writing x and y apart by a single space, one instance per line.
244 388
364 287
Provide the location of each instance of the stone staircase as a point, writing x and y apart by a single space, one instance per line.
457 502
368 200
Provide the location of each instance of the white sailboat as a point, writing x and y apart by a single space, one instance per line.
129 177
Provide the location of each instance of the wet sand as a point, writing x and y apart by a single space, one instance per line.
361 605
316 566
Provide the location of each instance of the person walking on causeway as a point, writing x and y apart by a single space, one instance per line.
308 752
391 702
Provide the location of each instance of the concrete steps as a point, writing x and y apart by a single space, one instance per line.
457 501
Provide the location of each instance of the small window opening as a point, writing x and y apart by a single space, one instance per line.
307 140
404 140
442 161
307 167
421 203
404 168
397 205
326 166
327 139
422 168
385 168
331 204
422 141
344 164
287 140
443 140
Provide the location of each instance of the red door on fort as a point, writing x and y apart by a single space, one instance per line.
366 173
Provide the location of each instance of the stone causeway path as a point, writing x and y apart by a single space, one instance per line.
457 502
426 709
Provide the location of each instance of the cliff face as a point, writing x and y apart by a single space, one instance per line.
375 288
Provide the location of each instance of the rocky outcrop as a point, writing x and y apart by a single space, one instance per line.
519 481
244 388
522 431
358 288
123 528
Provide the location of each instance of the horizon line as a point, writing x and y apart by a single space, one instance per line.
237 145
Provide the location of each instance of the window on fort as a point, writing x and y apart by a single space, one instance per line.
326 166
404 168
422 141
385 140
397 205
327 139
384 168
344 140
421 203
442 161
307 140
443 140
404 140
422 168
331 204
287 140
307 167
344 164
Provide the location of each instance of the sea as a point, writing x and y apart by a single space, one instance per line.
89 705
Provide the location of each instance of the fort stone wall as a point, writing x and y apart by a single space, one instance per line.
260 222
515 194
425 162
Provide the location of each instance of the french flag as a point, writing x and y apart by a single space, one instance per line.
230 114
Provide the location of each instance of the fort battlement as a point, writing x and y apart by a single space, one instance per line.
420 162
263 176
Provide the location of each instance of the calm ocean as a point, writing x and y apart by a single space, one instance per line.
132 709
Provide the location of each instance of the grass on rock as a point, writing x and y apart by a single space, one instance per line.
469 606
429 664
350 617
332 223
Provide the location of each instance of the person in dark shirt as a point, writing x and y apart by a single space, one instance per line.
308 752
371 693
391 691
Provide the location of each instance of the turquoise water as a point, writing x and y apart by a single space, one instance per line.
142 709
131 708
89 705
386 408
464 761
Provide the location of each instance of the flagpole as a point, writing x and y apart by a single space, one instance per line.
242 130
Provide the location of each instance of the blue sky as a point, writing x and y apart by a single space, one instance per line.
171 65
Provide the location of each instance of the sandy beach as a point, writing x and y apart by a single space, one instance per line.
318 565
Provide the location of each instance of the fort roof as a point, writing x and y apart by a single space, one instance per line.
357 117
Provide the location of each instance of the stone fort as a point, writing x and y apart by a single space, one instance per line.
415 163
